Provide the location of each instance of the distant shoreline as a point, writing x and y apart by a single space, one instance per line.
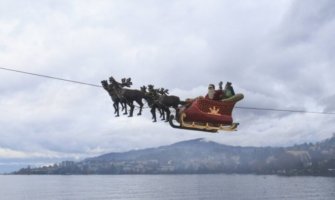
200 156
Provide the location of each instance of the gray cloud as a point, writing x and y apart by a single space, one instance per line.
306 19
279 54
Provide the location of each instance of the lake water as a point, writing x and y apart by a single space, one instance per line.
166 187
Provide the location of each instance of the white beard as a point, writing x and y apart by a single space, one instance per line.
211 93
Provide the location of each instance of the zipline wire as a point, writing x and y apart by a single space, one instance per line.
284 110
50 77
99 86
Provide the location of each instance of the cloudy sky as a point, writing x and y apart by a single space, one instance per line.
279 54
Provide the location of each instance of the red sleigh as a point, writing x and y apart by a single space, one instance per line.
207 115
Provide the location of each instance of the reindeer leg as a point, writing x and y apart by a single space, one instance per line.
162 113
122 105
167 110
125 108
176 110
117 109
141 106
131 105
153 112
168 115
114 105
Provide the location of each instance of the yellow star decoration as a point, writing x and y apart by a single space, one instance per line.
214 111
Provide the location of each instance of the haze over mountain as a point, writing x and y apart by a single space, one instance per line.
203 156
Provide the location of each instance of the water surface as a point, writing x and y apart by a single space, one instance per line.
165 187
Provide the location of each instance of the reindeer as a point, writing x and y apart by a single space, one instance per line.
166 101
128 95
116 100
159 99
152 97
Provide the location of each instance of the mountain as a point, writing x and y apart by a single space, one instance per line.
203 156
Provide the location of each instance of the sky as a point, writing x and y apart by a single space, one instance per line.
279 54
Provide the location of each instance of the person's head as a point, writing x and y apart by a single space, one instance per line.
228 84
211 91
211 87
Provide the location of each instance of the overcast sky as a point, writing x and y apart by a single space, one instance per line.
279 54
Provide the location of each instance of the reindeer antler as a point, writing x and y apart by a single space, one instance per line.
129 81
144 89
163 91
126 82
150 87
111 79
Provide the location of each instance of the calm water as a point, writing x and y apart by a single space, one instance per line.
166 187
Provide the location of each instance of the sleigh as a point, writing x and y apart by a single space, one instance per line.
207 115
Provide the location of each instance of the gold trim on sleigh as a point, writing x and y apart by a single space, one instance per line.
207 126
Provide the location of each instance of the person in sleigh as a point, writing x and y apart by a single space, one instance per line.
220 93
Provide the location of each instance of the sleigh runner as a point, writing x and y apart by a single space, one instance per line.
207 115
